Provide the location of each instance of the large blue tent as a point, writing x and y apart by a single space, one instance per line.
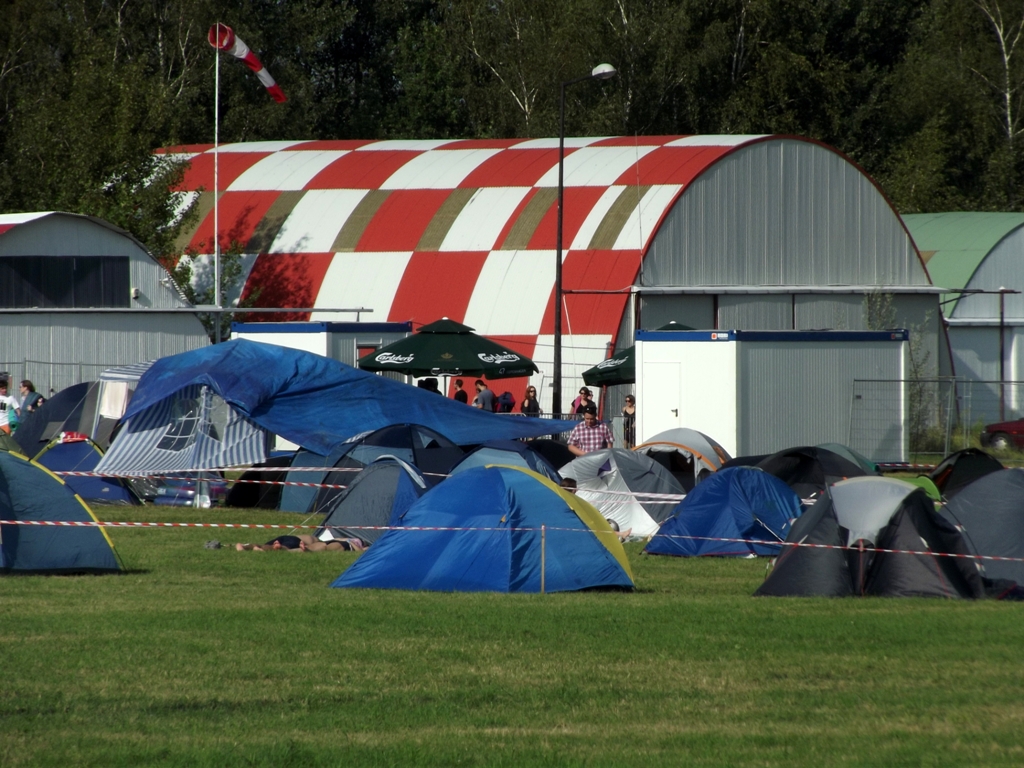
30 493
212 407
481 530
739 505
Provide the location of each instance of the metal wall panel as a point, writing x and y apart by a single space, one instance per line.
57 350
696 311
829 312
755 312
800 393
782 212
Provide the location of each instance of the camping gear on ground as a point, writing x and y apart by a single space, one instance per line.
28 491
511 453
738 503
688 454
808 470
376 497
215 407
499 529
632 489
448 348
430 452
868 514
960 469
990 514
75 452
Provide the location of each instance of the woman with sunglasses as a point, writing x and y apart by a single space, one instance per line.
629 422
530 406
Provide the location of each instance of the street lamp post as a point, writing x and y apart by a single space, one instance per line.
600 72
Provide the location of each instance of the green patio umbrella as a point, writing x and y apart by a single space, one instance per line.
620 368
617 369
447 348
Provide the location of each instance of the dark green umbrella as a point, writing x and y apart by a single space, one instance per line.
447 348
620 368
617 369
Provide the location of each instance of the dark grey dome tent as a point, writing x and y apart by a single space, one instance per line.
961 469
430 452
377 497
854 521
809 470
990 514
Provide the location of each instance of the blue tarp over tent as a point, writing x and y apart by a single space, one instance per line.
30 492
493 517
734 503
317 402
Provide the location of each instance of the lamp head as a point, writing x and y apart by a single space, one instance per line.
603 72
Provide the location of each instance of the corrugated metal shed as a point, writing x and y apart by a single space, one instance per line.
979 251
56 344
418 230
974 250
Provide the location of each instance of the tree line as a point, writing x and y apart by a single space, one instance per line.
925 95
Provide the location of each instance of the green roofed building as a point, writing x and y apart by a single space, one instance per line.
982 254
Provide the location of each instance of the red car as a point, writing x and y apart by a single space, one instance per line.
1003 435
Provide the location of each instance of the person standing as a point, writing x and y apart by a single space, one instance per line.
8 407
460 395
583 401
530 406
484 399
30 399
590 435
629 422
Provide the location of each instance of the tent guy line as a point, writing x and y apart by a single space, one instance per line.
796 544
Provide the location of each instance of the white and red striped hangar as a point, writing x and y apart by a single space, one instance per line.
752 232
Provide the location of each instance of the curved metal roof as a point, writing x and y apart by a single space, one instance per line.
954 245
418 230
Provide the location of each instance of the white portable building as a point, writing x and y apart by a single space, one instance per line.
759 392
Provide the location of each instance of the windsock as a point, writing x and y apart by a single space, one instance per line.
223 38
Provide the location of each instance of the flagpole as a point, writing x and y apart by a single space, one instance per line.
216 187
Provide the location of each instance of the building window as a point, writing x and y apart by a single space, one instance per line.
70 282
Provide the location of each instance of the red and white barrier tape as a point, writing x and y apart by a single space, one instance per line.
204 480
848 548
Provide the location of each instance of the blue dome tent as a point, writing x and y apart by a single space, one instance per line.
481 531
29 492
74 452
735 503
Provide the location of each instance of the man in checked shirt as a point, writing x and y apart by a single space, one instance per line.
591 435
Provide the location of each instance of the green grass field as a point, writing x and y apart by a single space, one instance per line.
214 657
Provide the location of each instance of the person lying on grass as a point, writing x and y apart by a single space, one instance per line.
303 543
